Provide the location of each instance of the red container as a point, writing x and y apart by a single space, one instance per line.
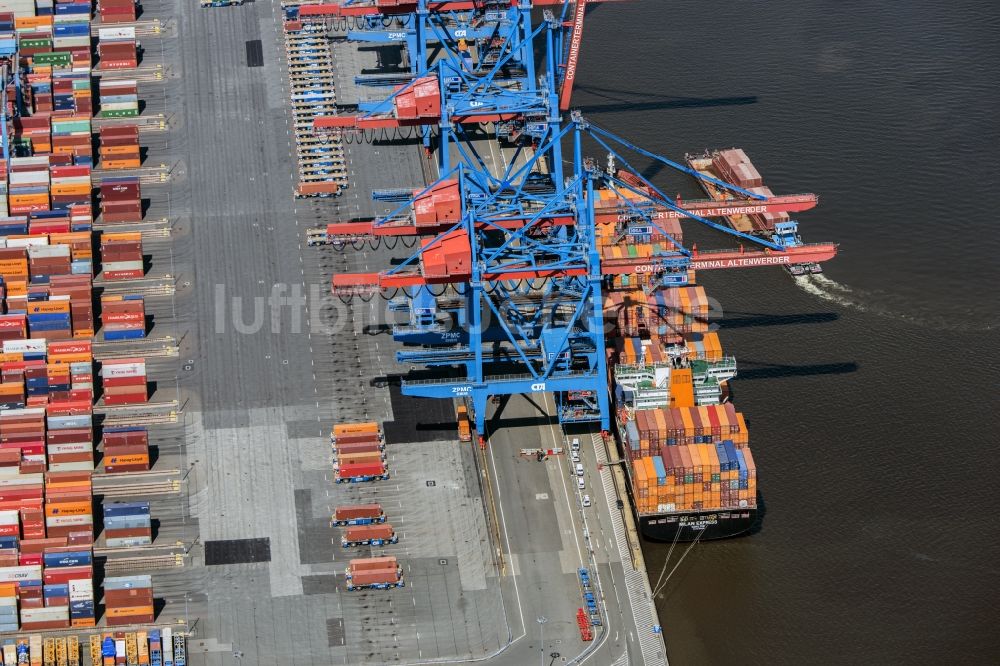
350 471
367 532
357 447
376 576
355 511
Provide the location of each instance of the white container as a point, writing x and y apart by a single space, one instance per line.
110 371
62 521
15 574
24 346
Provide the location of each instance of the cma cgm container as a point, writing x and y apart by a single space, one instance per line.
358 514
368 535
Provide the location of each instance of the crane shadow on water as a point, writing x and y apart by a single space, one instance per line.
634 100
781 371
753 320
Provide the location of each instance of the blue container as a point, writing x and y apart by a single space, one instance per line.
81 607
127 523
57 590
125 334
41 317
76 559
69 422
125 429
42 326
114 509
661 471
7 542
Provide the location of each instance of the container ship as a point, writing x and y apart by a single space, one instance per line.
733 166
684 445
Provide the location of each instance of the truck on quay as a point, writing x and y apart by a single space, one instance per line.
369 535
464 429
360 472
374 573
220 3
357 514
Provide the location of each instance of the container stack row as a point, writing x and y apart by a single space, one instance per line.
46 547
119 147
117 11
665 314
128 600
116 48
40 377
121 200
126 449
124 381
649 430
127 524
694 477
322 165
358 452
118 98
123 317
121 256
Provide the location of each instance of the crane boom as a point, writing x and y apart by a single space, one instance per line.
573 57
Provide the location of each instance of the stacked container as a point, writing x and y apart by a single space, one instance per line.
117 11
127 524
69 503
8 606
82 611
28 183
124 381
23 430
50 319
72 136
121 200
70 438
120 147
128 600
126 450
116 48
119 98
121 256
735 167
123 317
71 26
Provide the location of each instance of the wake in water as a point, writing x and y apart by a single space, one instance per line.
868 301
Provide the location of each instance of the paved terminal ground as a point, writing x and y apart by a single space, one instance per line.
257 383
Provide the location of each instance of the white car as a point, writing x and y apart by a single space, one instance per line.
575 444
575 456
586 500
580 484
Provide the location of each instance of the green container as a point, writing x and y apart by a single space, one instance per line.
120 113
66 126
36 43
54 59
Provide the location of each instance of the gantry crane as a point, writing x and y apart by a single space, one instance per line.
515 252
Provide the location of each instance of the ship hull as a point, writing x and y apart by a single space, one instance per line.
685 527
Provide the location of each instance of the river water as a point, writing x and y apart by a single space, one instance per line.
870 392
